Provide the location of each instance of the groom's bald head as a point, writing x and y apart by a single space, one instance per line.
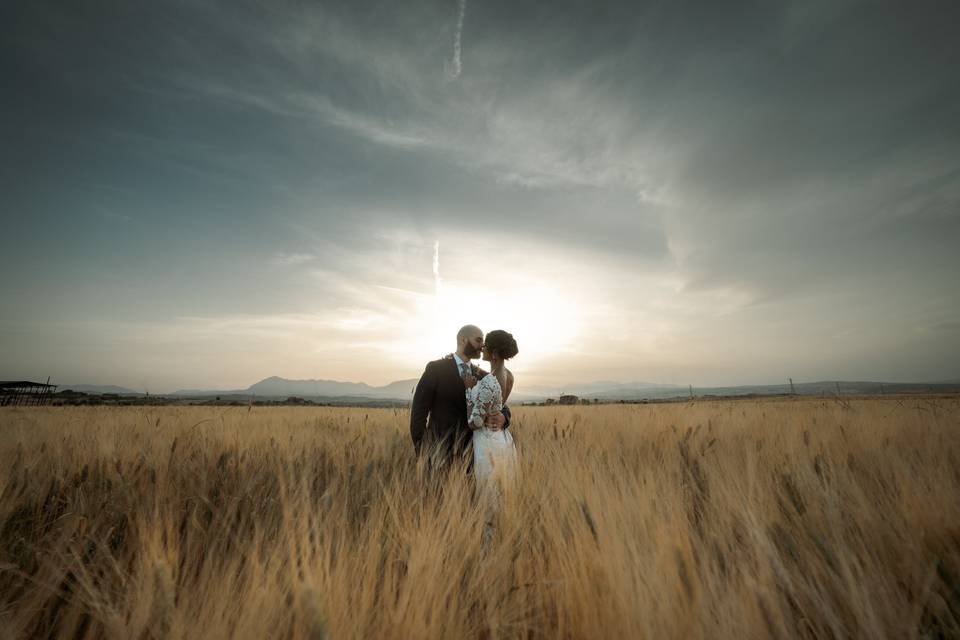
467 331
469 341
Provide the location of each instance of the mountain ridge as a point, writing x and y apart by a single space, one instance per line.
99 388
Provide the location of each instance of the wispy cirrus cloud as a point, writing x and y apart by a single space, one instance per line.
293 259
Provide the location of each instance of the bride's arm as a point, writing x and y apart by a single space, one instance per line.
501 419
483 407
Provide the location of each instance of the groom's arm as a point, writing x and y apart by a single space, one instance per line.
420 408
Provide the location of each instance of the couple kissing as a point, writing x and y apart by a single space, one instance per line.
459 411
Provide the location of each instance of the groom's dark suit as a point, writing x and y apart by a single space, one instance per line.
438 415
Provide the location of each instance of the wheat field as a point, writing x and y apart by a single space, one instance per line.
806 518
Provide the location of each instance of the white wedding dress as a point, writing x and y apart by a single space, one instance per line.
494 454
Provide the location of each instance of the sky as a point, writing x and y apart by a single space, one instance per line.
202 194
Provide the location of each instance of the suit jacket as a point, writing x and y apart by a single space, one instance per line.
438 415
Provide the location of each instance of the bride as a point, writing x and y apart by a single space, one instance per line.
494 454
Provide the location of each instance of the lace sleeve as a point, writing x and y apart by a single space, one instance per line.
484 405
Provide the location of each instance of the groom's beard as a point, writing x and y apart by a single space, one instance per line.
471 351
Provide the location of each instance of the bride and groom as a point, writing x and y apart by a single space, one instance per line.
459 411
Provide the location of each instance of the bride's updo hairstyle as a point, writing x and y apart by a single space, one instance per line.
501 343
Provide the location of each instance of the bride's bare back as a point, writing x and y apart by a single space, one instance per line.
506 383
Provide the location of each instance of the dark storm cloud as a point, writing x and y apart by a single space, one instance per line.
312 99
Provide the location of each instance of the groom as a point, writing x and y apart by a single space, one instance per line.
438 416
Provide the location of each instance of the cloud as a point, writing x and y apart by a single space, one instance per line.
292 259
790 171
948 326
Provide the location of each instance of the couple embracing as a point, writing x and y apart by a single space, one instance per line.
459 412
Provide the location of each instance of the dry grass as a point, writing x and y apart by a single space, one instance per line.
786 518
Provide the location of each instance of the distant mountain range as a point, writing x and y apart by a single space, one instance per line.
276 387
402 390
99 389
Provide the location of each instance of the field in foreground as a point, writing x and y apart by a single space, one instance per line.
803 518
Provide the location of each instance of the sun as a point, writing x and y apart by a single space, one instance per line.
541 319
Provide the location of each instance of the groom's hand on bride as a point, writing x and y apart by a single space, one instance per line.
495 421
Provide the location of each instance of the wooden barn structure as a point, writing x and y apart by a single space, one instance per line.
25 392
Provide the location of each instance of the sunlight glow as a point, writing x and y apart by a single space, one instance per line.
541 319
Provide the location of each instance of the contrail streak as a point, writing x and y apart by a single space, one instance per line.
456 65
436 268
